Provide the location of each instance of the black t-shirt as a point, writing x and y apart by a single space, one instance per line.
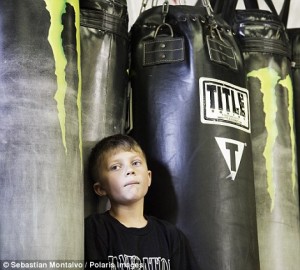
158 245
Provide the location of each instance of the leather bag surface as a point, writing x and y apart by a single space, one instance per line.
104 58
41 179
191 115
294 39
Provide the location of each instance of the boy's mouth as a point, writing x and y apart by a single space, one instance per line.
131 183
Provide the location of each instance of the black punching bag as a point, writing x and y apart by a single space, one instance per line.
294 39
266 53
104 57
294 35
191 115
41 194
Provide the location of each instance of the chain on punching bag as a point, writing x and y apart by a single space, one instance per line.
191 115
104 56
41 194
266 52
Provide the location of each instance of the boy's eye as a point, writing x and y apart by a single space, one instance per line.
137 163
115 167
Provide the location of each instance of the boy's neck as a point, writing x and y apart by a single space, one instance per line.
129 216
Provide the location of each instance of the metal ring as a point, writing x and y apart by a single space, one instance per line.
161 25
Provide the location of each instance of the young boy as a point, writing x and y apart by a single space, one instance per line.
123 237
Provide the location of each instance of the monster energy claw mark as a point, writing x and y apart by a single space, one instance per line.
56 10
269 78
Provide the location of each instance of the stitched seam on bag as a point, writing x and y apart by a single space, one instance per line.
104 21
210 48
164 51
166 40
229 56
164 60
225 63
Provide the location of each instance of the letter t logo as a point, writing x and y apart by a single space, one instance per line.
232 152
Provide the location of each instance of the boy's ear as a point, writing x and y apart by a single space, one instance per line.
99 190
149 178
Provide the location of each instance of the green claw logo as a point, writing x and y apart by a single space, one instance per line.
269 78
56 10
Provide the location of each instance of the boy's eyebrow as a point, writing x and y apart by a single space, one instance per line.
119 159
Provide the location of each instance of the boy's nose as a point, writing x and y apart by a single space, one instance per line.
130 171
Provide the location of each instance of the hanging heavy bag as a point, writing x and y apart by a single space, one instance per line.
266 52
104 57
191 116
41 193
294 37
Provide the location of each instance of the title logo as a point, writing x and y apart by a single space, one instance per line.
222 103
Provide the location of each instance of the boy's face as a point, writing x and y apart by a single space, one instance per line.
124 176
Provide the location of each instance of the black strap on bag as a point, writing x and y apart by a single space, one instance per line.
253 4
191 116
284 13
104 16
228 9
293 33
257 30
